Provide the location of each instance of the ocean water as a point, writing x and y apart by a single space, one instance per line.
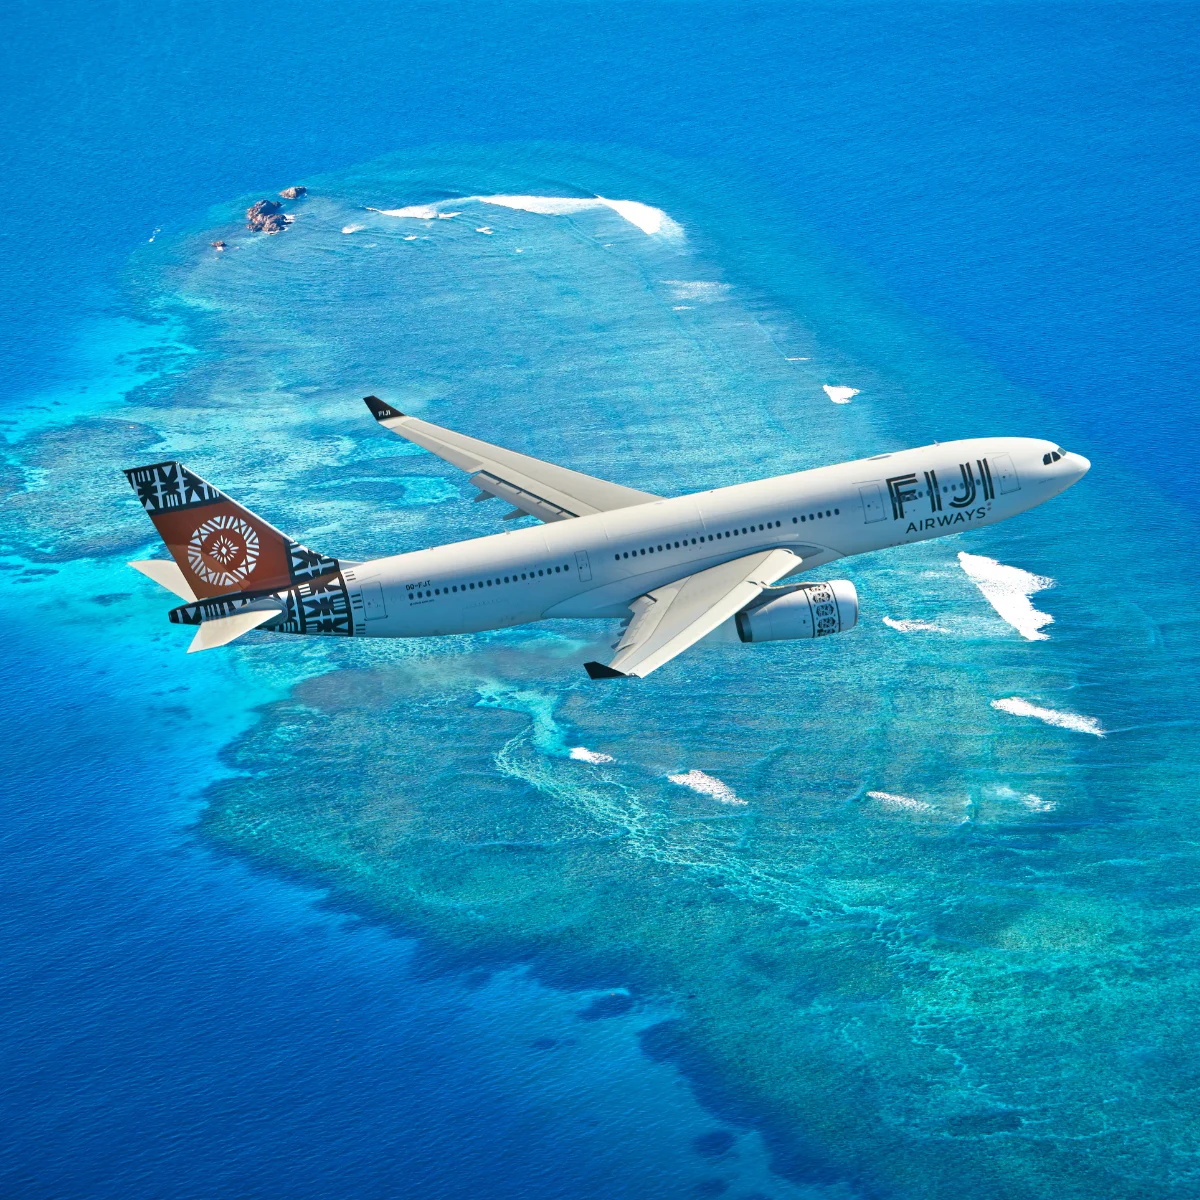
906 912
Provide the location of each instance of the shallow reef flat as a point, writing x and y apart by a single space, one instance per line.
939 944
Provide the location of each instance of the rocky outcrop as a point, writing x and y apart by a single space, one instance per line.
217 245
264 216
294 193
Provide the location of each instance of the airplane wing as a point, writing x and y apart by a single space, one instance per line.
669 619
541 489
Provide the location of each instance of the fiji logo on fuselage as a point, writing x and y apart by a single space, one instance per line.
963 497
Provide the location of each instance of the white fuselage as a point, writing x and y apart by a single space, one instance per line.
594 566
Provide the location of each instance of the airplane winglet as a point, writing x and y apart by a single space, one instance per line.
597 670
379 410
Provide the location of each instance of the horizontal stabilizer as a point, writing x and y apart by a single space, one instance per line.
224 630
166 573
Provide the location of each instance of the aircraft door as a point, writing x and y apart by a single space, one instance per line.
585 568
1004 473
872 502
374 608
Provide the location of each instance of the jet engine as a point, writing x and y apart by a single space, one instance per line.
806 610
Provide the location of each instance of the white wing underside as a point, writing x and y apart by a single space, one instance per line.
669 619
541 489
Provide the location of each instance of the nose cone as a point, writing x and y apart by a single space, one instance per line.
1079 466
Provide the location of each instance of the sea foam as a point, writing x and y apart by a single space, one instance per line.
1029 800
1007 590
907 803
648 219
706 785
698 289
840 395
914 626
1064 720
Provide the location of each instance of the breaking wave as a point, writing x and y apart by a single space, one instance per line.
1007 590
1029 800
1064 720
907 803
840 395
583 754
648 219
914 626
706 785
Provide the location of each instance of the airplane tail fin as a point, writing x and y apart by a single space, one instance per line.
218 546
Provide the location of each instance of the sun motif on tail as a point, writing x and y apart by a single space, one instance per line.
223 550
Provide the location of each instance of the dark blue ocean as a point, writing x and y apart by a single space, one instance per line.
348 920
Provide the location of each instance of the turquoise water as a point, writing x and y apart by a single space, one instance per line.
316 917
910 944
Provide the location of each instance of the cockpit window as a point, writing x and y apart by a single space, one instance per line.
1053 456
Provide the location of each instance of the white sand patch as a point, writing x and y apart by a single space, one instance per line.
904 803
840 395
1007 590
914 626
706 785
1064 720
583 754
700 290
353 228
646 218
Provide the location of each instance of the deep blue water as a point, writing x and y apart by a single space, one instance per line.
1023 178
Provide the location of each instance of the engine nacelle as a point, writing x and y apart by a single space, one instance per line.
809 610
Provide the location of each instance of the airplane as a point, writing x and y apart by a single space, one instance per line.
674 570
